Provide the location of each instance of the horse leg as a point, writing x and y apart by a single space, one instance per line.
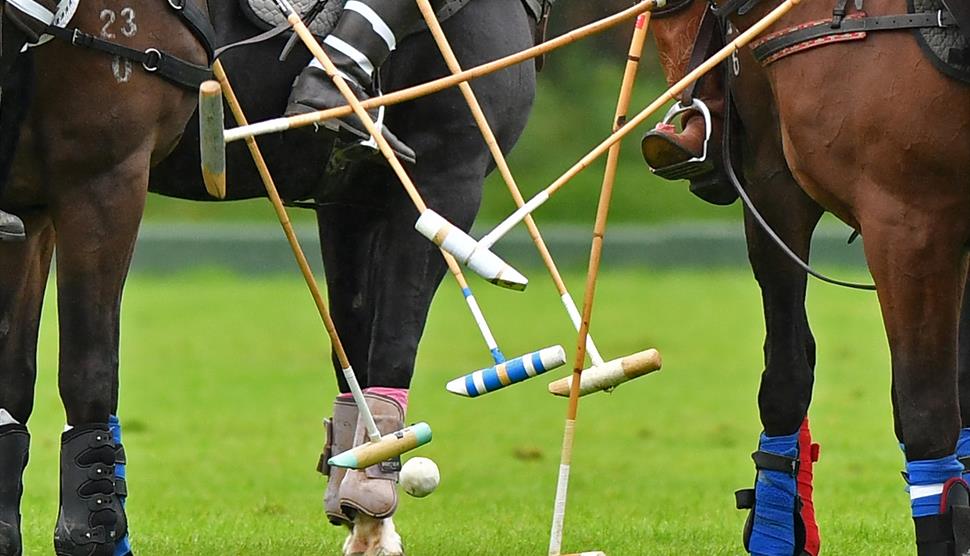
920 272
26 267
94 249
782 520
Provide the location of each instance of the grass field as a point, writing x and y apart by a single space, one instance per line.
225 380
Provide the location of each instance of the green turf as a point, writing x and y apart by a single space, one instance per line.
225 381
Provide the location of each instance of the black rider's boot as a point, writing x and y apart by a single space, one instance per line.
14 443
18 27
91 519
365 35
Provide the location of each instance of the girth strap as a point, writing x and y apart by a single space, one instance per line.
765 48
174 69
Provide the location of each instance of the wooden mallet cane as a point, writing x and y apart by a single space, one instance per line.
277 125
599 229
540 198
379 448
503 167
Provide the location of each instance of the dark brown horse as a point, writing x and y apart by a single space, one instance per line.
93 126
868 149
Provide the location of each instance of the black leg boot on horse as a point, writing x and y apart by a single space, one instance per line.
695 152
14 445
91 519
23 21
365 35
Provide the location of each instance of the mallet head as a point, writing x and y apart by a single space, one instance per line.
389 446
610 374
212 143
463 247
510 372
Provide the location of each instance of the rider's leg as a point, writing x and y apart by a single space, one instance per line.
670 153
364 37
23 21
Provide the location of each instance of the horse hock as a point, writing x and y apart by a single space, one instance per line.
91 518
373 491
340 437
781 521
14 446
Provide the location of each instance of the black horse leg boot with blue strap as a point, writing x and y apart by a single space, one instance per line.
364 37
91 518
14 445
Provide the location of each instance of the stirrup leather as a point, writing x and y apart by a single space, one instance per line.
698 165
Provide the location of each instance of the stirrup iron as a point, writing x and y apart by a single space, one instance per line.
699 165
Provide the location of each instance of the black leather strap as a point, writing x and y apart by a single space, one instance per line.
766 461
198 22
704 46
852 25
174 69
744 499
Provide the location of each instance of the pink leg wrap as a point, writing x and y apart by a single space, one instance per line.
400 395
807 455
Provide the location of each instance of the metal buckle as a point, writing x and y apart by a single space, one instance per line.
177 4
76 37
698 105
154 57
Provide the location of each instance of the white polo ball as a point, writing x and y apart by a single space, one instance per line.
419 477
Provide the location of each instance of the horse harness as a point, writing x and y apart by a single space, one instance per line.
155 60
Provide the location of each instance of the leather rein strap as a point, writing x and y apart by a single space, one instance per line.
153 60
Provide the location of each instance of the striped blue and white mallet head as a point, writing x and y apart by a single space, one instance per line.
611 374
463 247
510 372
212 143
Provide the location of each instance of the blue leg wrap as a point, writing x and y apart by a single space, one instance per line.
123 546
773 533
926 478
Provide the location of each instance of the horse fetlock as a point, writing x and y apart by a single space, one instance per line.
340 438
91 518
14 447
373 537
373 491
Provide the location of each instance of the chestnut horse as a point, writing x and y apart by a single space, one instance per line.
873 156
92 127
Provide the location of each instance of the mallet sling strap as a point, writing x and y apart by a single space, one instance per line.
776 45
174 69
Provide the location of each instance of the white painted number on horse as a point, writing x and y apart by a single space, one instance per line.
121 68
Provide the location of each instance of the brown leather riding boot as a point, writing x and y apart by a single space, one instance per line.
340 438
373 491
683 155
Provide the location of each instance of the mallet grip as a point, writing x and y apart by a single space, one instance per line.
611 374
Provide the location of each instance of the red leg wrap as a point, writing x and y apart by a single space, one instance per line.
808 455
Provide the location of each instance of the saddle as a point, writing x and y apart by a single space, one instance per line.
265 15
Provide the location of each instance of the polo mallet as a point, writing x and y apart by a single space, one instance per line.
454 241
503 167
220 136
599 229
504 372
379 448
539 199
